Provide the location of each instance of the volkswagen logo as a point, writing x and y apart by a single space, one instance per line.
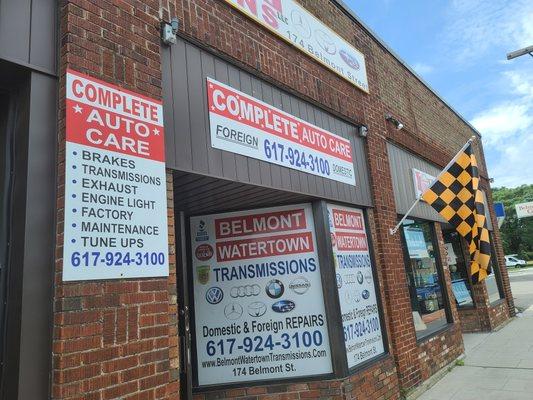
257 309
274 289
233 311
214 295
283 306
245 291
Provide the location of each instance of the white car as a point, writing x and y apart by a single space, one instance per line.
512 261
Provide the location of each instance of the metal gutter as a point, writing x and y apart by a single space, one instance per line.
351 14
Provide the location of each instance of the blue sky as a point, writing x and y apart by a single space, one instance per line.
459 47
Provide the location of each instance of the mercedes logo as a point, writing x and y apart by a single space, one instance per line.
233 311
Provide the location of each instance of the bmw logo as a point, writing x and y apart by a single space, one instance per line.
274 289
283 306
214 295
360 277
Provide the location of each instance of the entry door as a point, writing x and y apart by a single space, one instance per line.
184 322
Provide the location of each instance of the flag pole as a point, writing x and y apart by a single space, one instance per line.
392 231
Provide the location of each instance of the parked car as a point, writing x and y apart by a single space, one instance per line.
513 261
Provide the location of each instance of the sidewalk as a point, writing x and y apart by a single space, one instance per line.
498 365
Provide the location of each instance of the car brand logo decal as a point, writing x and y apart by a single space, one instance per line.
245 291
366 294
257 309
283 306
214 295
233 311
274 289
300 285
202 273
201 232
339 281
204 252
368 277
360 277
350 60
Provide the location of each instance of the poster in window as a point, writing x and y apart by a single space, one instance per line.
259 305
355 284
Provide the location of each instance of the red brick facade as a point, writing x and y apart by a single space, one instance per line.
119 339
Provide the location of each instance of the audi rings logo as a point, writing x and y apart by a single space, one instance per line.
350 278
245 291
214 295
233 311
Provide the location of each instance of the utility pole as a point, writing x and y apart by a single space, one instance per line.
521 52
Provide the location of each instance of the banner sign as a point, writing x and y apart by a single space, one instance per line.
245 125
297 26
355 285
499 210
422 181
258 300
115 183
524 210
461 292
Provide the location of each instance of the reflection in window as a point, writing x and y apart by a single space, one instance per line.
457 264
425 287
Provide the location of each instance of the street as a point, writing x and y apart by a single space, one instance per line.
498 365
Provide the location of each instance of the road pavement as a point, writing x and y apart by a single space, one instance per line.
498 365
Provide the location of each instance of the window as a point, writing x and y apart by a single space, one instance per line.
424 275
458 264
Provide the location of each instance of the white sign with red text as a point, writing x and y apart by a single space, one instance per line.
115 183
355 284
422 181
245 125
524 210
294 24
258 300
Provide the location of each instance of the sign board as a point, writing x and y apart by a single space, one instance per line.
451 257
416 244
297 26
355 284
461 292
258 300
422 181
115 183
524 210
245 125
499 211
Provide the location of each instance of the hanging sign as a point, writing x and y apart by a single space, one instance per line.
297 26
355 284
524 210
115 184
422 181
245 125
258 300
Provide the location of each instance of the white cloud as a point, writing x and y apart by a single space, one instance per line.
422 69
476 27
507 131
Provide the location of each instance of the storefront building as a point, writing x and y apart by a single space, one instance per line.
208 215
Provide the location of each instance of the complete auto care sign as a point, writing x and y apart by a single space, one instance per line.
245 125
355 284
259 307
115 184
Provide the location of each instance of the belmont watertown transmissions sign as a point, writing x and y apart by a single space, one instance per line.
115 185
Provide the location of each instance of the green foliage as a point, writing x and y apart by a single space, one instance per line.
517 234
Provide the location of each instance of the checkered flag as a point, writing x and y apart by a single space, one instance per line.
456 196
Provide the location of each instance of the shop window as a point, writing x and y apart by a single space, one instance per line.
458 266
493 281
424 272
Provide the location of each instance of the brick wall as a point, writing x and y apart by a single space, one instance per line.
115 339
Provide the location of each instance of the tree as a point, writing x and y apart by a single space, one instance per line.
517 234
